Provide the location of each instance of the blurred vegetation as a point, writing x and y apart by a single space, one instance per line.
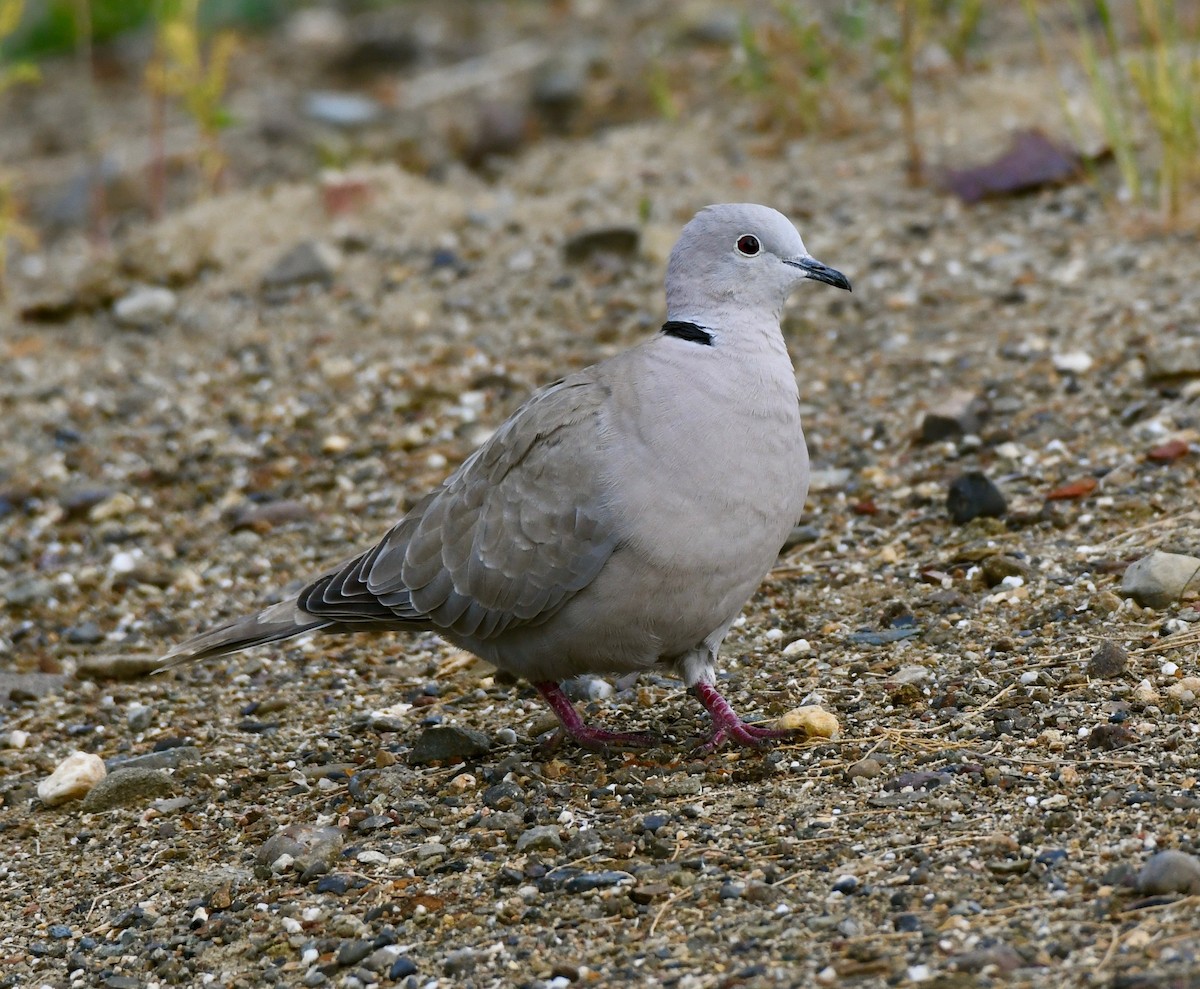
12 73
50 27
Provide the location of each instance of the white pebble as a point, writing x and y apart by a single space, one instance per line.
293 926
16 739
774 635
797 647
73 778
122 562
1170 669
1029 677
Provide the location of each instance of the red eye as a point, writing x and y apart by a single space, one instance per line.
748 245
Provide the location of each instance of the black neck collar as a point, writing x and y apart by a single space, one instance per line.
688 331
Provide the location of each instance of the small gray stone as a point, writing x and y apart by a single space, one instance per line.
180 755
618 241
542 838
587 688
139 717
29 686
866 769
124 787
1171 871
460 962
83 634
310 261
1108 661
448 742
341 109
145 306
955 415
1173 360
25 590
116 666
1161 579
502 795
973 496
996 568
313 850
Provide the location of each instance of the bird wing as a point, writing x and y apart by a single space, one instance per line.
506 540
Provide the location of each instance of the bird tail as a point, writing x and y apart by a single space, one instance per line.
280 621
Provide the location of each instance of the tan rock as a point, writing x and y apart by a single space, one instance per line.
72 780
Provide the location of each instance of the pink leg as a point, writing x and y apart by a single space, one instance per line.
727 726
597 739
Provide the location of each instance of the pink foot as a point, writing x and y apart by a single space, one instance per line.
596 739
727 726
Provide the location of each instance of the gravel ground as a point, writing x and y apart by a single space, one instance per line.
1018 737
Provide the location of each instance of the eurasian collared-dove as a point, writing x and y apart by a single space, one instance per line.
621 518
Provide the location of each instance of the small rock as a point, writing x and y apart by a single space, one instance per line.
1186 690
310 261
1001 957
72 779
341 109
541 838
266 516
1109 737
84 634
996 568
1108 661
587 688
461 962
23 591
1072 362
448 742
145 307
1171 871
1171 360
1161 579
139 717
117 666
313 850
123 787
864 769
958 414
846 885
811 719
972 496
586 881
502 795
352 952
401 968
620 241
172 758
29 686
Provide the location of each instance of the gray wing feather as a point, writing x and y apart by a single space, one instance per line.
506 540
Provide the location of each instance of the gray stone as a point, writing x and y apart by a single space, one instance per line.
461 962
22 591
972 495
539 839
29 686
1161 579
313 850
619 241
1108 661
139 717
180 755
310 261
587 688
955 415
117 666
145 306
1170 872
342 109
128 786
1172 360
448 742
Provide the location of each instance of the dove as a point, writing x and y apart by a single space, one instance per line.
621 518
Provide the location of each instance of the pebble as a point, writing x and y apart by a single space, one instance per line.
448 742
502 795
542 838
84 634
1161 579
1109 661
811 719
145 307
587 688
172 758
996 569
341 109
586 881
139 717
864 769
846 885
307 262
619 241
352 952
1171 871
116 666
972 496
72 779
313 850
1186 690
955 415
1172 359
797 647
460 962
401 968
123 787
1072 362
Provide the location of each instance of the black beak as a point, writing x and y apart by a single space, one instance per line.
818 272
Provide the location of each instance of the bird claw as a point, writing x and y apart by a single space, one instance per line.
571 725
728 727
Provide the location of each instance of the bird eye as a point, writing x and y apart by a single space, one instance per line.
748 245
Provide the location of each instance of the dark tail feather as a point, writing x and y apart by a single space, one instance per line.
280 621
